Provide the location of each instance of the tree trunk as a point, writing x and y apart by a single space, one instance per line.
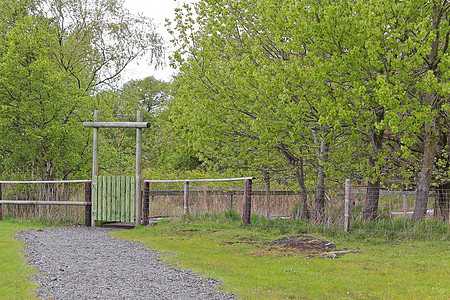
297 163
370 209
425 175
302 211
319 201
429 100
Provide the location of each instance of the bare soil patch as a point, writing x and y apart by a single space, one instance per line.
305 243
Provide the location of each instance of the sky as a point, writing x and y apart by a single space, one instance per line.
158 10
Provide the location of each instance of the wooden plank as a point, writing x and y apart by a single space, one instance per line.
104 198
27 202
99 198
123 189
113 199
118 204
132 198
95 199
108 198
127 199
116 124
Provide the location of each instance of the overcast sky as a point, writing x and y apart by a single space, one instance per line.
158 10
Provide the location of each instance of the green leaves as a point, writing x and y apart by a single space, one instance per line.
258 75
54 56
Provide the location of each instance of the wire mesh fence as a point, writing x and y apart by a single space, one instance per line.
280 205
358 208
39 195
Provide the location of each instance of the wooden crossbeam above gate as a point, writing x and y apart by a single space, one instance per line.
116 124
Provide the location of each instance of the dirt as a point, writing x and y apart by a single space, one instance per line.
304 245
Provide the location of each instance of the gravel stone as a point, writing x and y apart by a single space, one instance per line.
87 263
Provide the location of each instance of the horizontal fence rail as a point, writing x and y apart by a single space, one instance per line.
23 202
44 181
199 180
25 199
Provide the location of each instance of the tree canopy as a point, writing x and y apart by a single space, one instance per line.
321 89
55 55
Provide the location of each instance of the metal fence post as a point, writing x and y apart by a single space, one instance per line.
88 208
247 202
347 205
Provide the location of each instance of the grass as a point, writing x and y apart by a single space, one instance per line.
388 265
14 274
242 258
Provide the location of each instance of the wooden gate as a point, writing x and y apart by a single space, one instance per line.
113 198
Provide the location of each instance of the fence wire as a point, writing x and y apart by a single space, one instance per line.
48 191
280 205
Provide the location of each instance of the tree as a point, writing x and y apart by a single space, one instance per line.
304 80
54 56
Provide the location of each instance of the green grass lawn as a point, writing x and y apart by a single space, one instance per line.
246 263
249 266
14 274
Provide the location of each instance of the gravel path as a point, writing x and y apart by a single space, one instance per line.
87 263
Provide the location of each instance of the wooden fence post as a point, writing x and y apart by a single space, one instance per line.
347 205
88 208
230 200
247 202
186 198
405 204
146 203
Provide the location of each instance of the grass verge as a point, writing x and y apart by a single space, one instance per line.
14 274
251 267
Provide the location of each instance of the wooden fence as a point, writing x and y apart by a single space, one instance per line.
87 197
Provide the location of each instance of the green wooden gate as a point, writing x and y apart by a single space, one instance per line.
113 198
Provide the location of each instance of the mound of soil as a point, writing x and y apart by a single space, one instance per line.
305 243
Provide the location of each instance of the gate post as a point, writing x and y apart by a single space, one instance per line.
138 194
146 203
88 208
247 202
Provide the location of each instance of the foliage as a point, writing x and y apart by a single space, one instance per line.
341 88
54 56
